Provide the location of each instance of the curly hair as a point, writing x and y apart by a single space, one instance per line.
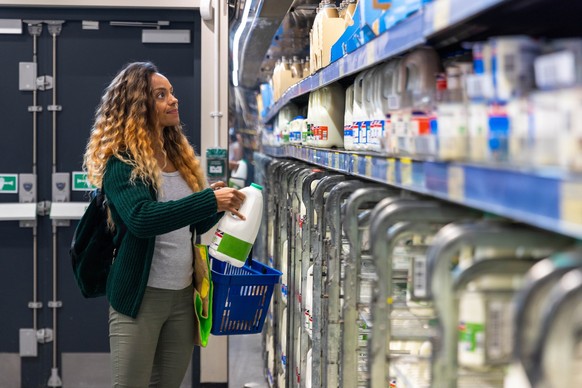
124 127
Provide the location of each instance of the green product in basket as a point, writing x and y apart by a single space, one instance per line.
203 293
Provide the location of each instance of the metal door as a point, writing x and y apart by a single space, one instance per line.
40 294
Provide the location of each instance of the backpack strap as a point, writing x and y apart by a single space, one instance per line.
102 201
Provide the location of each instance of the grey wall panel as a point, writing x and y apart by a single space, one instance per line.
9 370
92 370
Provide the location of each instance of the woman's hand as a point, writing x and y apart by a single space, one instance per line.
217 185
229 199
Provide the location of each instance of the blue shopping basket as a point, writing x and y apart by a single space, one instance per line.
241 296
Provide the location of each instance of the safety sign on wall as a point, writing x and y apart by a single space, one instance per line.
8 183
80 182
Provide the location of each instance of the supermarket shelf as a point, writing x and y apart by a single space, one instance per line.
548 199
442 14
411 32
402 37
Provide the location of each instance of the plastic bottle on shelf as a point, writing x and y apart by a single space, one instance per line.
453 115
420 68
341 9
287 76
389 96
358 113
285 115
235 237
306 67
312 119
239 176
374 114
478 131
276 80
485 313
348 118
330 27
330 119
295 129
296 69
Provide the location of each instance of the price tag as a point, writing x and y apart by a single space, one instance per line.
391 171
456 183
368 166
329 159
442 14
355 164
406 171
571 202
336 160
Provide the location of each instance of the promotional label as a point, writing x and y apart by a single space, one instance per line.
471 336
230 246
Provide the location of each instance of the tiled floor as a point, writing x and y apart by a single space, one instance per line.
246 364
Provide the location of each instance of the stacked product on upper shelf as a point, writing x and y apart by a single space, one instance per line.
336 32
510 99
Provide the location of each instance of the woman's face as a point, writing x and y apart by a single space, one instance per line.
166 103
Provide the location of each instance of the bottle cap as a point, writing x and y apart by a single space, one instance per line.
257 186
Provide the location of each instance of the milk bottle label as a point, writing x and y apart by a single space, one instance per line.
323 132
230 246
471 337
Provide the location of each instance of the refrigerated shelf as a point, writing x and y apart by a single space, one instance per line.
550 199
410 33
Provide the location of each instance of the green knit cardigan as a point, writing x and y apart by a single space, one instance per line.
134 205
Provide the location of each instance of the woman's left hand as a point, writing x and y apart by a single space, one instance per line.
217 185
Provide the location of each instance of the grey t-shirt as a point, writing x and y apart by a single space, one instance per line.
172 262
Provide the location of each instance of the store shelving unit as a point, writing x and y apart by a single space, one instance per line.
547 198
410 33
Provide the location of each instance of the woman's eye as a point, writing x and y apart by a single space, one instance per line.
161 95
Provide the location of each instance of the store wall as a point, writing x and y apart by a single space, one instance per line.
86 62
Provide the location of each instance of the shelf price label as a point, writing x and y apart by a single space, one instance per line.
442 14
406 171
369 166
355 164
456 183
571 202
336 160
391 171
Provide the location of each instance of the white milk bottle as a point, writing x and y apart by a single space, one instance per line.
312 118
235 237
389 97
373 109
330 131
358 115
348 118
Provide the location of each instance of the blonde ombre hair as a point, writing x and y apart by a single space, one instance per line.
125 128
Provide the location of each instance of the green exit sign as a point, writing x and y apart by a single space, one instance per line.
80 182
8 183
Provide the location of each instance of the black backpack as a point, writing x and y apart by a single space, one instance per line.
92 249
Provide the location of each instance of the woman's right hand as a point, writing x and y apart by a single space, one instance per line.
229 199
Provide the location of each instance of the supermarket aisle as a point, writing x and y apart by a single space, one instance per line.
246 362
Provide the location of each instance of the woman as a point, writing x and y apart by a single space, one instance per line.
139 156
